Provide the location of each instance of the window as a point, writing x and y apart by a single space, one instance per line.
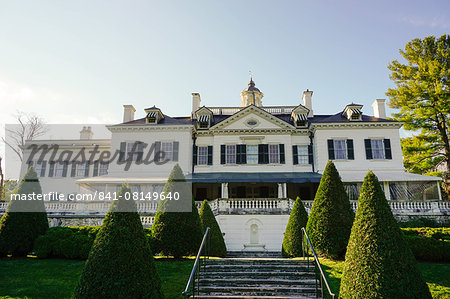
59 169
40 168
202 155
302 154
231 154
252 154
340 149
378 149
103 168
81 169
274 153
167 149
134 151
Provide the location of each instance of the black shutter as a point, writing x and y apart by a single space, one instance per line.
244 154
65 166
139 151
282 158
175 151
241 154
263 153
350 151
387 149
368 146
86 170
74 168
51 169
95 168
210 155
310 154
123 148
222 154
330 149
44 166
295 154
158 151
194 154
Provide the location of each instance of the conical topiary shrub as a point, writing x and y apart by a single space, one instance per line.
177 233
207 219
120 263
24 220
331 217
379 263
292 241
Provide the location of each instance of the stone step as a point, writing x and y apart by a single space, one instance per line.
255 282
253 254
254 261
250 297
256 268
262 274
258 291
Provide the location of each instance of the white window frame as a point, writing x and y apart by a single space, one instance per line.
274 154
302 157
251 155
202 155
81 168
378 153
38 167
343 151
103 168
129 150
167 149
59 169
230 154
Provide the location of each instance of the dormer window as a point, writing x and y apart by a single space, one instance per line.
154 115
301 120
204 121
151 117
353 112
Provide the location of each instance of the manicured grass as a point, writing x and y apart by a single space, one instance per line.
436 276
56 278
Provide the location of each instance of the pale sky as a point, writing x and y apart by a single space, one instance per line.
80 61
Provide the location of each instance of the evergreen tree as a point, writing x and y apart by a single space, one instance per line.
331 217
24 220
379 263
176 231
293 236
207 219
120 263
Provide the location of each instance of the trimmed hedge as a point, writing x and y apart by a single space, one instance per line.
207 218
24 220
66 242
292 240
429 244
331 218
379 263
120 263
423 222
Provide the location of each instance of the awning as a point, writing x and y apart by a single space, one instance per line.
254 177
203 118
301 117
356 111
387 176
152 114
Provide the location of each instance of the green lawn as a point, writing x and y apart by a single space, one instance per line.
436 275
55 278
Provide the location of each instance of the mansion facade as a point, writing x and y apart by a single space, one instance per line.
250 161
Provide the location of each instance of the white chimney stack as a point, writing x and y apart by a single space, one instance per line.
128 113
86 133
195 103
379 109
307 101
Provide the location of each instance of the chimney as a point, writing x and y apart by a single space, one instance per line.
128 113
86 133
307 101
379 109
195 103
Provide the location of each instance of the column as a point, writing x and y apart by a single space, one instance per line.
439 189
280 190
387 193
224 190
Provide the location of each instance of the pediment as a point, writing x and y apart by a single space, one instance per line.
252 117
300 109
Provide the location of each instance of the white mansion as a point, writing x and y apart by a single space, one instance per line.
250 161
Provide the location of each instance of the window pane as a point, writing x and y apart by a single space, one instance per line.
59 167
252 154
166 148
81 168
377 148
202 155
274 156
103 168
231 154
303 156
340 149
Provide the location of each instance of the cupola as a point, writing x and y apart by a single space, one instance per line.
251 95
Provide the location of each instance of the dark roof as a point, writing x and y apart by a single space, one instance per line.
339 118
251 86
167 120
254 177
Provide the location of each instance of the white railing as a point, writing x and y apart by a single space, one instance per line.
233 110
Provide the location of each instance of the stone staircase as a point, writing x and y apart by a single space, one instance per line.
257 277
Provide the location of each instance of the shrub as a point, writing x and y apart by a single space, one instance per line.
24 220
177 233
331 217
293 236
420 222
379 263
207 219
120 263
66 242
429 244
